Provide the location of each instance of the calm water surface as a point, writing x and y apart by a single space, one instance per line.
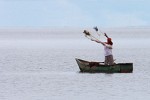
44 68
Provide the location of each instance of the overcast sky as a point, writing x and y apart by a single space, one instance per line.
74 13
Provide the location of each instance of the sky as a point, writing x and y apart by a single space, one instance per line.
74 13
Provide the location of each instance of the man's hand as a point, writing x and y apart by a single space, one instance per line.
105 35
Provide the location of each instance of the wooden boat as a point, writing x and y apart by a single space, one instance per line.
86 66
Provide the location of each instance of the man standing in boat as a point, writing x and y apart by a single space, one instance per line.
107 49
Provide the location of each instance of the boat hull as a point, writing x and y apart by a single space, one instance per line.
86 66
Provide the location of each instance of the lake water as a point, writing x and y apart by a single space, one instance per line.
40 65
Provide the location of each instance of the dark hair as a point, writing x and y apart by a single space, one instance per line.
109 41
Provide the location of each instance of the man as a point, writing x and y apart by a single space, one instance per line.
107 49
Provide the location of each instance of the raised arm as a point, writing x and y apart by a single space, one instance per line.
106 35
103 43
98 41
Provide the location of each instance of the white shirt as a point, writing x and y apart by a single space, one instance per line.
108 49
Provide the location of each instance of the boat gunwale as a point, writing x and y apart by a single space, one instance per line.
84 61
83 64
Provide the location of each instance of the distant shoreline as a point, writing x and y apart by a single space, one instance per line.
67 29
